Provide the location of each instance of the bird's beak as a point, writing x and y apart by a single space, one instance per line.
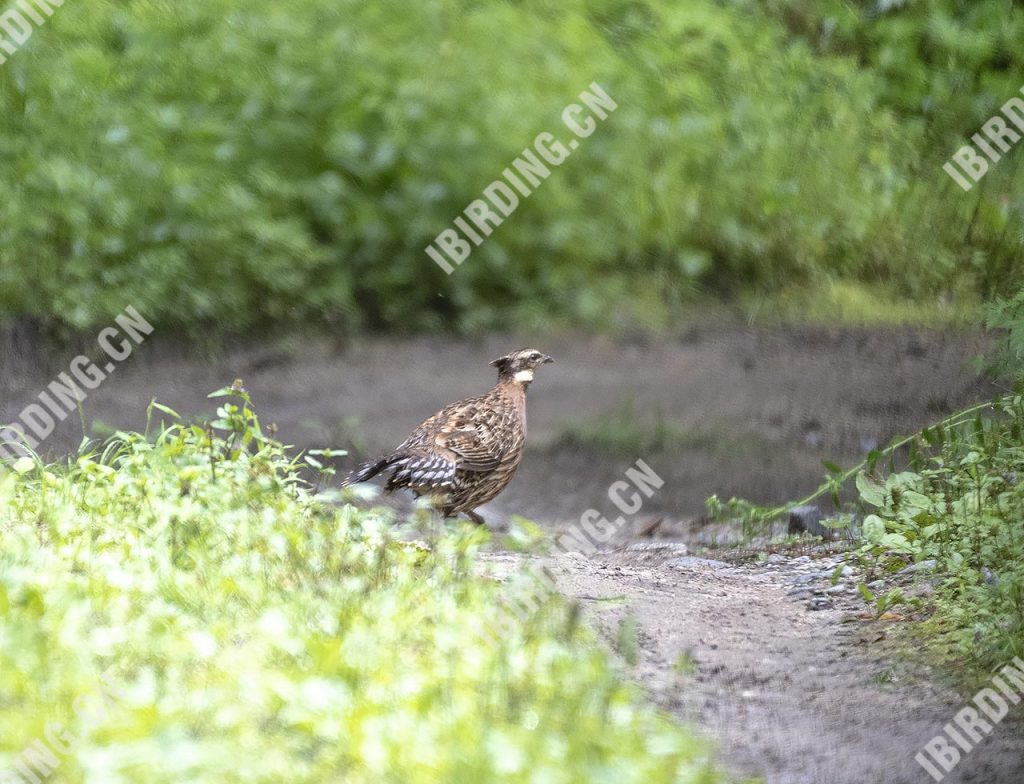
547 359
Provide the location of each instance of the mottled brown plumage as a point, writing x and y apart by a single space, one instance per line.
465 454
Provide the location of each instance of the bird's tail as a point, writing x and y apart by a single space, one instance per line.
369 470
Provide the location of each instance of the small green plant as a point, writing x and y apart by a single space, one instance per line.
881 601
756 518
686 664
1006 318
627 640
255 630
958 501
884 677
961 506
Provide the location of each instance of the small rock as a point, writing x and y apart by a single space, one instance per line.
802 579
876 585
802 559
921 590
868 444
847 571
801 593
988 576
807 518
689 561
836 589
921 566
676 548
819 603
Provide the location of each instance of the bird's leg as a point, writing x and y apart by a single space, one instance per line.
475 518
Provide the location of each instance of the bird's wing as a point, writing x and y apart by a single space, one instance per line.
458 443
469 435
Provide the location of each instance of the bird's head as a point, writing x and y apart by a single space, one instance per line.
520 365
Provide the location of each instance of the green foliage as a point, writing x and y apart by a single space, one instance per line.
962 505
860 303
222 165
253 631
882 601
1006 316
943 67
958 500
943 63
756 518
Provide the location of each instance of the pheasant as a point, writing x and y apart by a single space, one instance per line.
466 453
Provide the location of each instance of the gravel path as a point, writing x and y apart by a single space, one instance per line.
788 693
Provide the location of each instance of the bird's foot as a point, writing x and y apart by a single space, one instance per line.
476 518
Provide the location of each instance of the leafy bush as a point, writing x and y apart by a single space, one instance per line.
252 632
952 493
221 165
962 504
1006 318
944 67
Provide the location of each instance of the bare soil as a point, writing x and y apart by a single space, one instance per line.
754 411
791 694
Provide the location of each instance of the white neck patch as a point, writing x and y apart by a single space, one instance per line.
523 375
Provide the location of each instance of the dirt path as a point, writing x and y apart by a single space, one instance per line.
788 693
740 411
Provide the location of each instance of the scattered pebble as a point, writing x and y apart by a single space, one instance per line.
922 590
921 566
690 561
659 547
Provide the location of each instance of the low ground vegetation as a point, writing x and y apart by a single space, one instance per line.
951 500
250 630
961 506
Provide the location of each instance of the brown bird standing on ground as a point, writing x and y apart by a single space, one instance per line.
466 453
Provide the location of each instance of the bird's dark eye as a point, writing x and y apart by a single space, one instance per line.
535 355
